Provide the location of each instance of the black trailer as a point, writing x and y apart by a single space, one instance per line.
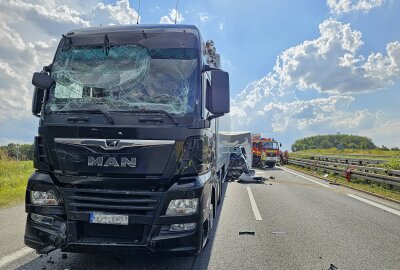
126 155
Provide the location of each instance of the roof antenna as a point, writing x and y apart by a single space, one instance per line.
176 10
138 14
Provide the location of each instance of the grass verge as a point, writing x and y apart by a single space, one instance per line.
374 188
354 153
13 178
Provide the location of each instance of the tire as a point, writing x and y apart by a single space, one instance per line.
271 165
210 224
219 191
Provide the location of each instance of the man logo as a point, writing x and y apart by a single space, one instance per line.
112 143
111 162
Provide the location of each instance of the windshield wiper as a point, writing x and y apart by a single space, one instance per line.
153 112
106 115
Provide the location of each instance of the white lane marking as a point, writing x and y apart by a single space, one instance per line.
257 214
309 179
391 210
15 256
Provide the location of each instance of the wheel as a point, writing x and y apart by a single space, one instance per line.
207 230
219 191
211 217
271 165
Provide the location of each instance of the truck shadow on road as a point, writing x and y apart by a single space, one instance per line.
57 260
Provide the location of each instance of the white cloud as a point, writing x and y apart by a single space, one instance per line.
120 13
359 120
330 63
384 133
29 33
171 17
339 7
204 17
221 26
303 114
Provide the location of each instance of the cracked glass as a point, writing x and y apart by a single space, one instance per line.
124 78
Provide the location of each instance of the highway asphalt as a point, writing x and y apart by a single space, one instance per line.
291 221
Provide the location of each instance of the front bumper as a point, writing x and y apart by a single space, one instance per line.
45 239
147 231
272 159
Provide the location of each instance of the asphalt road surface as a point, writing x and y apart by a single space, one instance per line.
293 221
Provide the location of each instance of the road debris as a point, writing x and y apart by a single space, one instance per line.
247 233
50 260
332 267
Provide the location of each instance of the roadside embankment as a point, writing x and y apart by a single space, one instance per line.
13 178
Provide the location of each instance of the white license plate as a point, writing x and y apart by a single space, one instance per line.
103 218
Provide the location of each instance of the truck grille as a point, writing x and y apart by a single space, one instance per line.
140 206
133 233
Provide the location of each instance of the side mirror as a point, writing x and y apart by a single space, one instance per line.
37 101
42 80
218 99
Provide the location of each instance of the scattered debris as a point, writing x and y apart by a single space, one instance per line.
271 177
50 260
270 184
320 257
247 233
64 256
326 175
278 232
332 267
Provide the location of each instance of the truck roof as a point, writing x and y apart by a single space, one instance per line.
133 27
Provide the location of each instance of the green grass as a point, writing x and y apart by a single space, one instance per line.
370 154
380 189
392 164
13 178
392 158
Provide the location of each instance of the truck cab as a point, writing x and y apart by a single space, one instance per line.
127 151
266 151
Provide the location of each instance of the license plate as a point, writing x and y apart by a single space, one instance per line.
103 218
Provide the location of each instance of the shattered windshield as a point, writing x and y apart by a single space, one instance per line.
124 78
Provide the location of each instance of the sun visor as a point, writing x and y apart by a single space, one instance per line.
149 40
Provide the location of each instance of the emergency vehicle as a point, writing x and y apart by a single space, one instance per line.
266 152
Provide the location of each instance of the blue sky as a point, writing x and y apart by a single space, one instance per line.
338 68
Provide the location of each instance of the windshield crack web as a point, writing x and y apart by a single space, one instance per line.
126 78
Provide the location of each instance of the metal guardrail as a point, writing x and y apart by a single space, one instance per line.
370 155
349 160
391 177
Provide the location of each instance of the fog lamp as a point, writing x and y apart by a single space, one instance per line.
182 227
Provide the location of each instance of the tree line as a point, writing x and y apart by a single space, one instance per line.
339 141
17 151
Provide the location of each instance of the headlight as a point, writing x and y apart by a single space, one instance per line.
182 207
44 197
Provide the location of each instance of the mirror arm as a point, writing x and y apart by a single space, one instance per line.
209 118
209 68
48 68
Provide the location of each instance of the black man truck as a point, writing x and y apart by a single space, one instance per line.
126 155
